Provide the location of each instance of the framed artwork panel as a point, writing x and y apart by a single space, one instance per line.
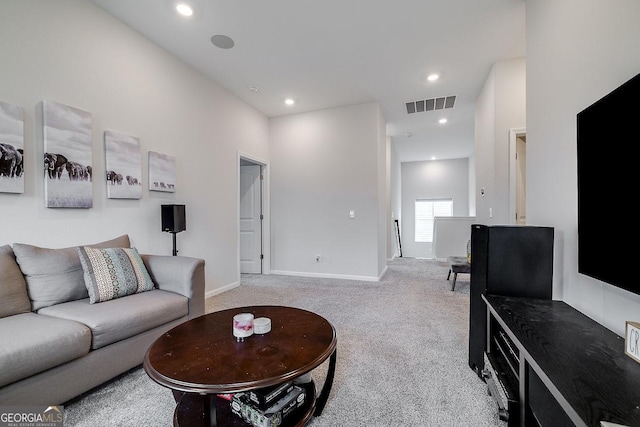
11 148
162 172
123 166
67 156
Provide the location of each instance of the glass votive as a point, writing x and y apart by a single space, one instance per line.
261 325
242 326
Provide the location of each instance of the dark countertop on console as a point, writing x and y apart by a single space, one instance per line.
584 361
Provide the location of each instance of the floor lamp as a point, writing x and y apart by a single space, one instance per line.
174 221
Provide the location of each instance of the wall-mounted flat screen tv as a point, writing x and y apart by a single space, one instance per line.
608 183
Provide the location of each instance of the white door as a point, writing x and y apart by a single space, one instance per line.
518 176
521 180
250 220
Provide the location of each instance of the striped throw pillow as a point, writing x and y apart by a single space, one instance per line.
113 273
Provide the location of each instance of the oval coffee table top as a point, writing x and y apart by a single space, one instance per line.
202 355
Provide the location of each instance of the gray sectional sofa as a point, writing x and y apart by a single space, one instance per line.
56 345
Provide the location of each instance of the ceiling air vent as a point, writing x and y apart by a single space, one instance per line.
411 107
431 104
449 102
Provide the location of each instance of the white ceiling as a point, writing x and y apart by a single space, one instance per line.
331 53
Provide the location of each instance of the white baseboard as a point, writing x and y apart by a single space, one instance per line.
230 286
327 276
218 291
383 273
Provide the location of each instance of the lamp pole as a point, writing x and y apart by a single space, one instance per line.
175 251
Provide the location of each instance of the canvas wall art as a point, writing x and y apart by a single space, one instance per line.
123 165
11 148
67 156
162 172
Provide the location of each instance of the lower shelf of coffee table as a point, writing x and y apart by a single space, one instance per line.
190 411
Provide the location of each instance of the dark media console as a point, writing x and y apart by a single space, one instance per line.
545 363
559 367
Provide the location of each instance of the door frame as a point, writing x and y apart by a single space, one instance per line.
266 221
513 135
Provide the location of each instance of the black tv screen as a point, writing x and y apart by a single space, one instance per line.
608 181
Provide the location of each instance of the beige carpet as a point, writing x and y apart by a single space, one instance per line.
402 353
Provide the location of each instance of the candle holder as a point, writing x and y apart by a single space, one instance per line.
242 326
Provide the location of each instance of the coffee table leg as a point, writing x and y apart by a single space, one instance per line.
209 410
326 388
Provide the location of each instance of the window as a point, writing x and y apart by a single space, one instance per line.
426 210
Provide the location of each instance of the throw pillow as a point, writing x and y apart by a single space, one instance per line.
55 276
13 289
113 273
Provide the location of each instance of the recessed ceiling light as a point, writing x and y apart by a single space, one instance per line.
184 9
442 121
289 101
433 77
433 158
222 41
253 88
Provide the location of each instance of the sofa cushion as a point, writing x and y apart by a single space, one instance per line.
113 273
122 318
55 275
13 288
32 343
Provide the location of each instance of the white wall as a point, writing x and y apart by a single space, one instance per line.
389 221
501 106
73 52
577 51
396 197
436 179
472 185
384 195
324 164
451 235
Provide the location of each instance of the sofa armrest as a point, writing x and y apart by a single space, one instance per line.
179 274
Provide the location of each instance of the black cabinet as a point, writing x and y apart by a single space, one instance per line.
569 370
502 373
510 261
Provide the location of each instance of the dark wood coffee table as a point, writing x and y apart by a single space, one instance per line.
201 358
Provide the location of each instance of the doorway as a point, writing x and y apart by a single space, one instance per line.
518 176
251 215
